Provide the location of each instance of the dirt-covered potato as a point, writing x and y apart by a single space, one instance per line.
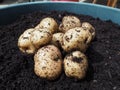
48 62
69 22
89 27
40 37
76 39
57 39
48 23
75 65
24 42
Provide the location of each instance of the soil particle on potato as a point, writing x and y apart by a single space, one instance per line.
68 38
17 69
77 59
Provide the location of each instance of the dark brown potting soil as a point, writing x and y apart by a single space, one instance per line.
17 69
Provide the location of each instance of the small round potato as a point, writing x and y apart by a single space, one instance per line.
48 62
24 42
57 39
75 65
76 39
69 22
48 23
89 27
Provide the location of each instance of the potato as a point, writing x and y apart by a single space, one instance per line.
75 65
57 39
48 62
24 42
69 22
48 23
76 39
41 37
89 27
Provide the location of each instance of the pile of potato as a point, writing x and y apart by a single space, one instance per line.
46 41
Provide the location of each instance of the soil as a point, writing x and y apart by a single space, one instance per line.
17 69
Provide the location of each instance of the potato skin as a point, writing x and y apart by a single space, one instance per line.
69 22
76 39
57 39
90 28
41 37
24 42
48 62
75 65
48 23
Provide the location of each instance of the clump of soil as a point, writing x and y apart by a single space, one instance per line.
77 59
17 69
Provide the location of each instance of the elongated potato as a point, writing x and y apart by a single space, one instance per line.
24 42
48 62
